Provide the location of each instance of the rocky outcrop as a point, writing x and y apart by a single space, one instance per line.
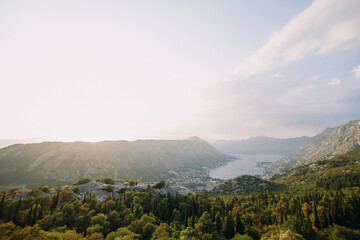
330 143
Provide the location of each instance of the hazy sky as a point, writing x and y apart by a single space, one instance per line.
96 70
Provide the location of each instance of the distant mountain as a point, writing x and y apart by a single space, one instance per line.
63 163
262 145
331 142
245 184
8 142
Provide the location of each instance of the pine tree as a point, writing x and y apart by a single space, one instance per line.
316 221
34 216
218 223
326 222
329 213
2 206
55 201
14 217
239 225
84 200
28 218
229 229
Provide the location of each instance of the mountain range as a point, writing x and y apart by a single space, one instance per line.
63 163
262 145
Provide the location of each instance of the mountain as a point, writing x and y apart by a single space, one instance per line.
262 145
63 163
245 184
331 142
8 142
332 174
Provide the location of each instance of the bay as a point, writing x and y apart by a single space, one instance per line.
243 164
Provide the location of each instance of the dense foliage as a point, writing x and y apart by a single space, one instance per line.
147 215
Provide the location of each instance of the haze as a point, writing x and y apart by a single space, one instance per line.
96 70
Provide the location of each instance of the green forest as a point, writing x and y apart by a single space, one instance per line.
146 215
318 201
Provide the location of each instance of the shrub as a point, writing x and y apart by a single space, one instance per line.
45 189
122 190
107 180
109 188
83 181
132 182
76 190
159 185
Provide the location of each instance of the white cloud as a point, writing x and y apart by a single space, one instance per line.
356 71
334 82
326 26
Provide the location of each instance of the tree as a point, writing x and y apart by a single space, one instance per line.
229 228
205 225
162 231
189 233
239 225
242 237
316 220
148 230
300 226
254 232
96 236
218 222
2 205
159 185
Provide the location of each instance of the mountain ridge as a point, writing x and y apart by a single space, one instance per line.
262 145
330 143
59 162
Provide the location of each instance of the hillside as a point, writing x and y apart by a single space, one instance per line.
58 162
331 142
245 184
262 145
339 172
92 210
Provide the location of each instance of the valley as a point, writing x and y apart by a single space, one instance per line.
182 189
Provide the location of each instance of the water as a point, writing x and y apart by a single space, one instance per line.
243 164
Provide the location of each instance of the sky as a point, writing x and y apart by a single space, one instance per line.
106 70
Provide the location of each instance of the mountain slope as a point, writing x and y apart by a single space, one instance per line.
58 162
338 172
330 143
245 184
262 145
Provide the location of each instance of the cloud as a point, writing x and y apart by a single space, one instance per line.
315 77
326 26
356 71
334 82
283 89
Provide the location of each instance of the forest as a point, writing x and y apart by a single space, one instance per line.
313 214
